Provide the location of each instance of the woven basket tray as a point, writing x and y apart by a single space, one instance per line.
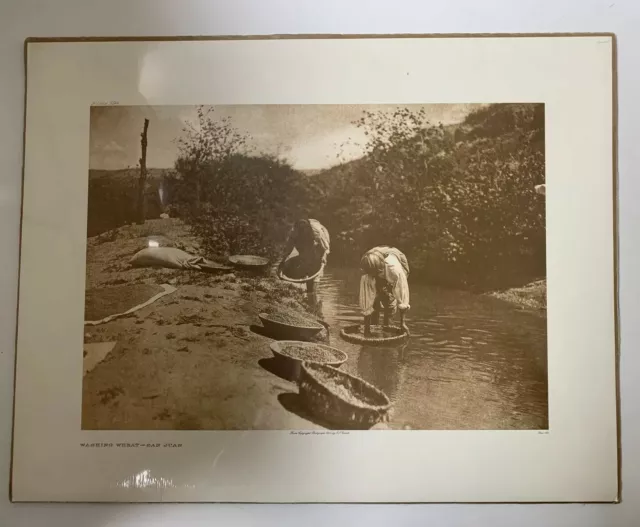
245 261
344 400
355 335
282 274
291 362
283 331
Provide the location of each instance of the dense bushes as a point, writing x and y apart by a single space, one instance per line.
459 201
112 199
237 203
247 205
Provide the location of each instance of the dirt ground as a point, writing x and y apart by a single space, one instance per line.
192 360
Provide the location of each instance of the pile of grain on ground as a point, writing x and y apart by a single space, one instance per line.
105 301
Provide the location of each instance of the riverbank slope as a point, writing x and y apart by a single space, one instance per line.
533 295
189 360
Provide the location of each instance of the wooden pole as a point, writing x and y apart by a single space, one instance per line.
143 173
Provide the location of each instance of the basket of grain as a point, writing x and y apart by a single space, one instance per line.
245 261
297 271
380 335
284 325
340 399
290 355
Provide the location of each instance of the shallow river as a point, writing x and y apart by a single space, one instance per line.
473 362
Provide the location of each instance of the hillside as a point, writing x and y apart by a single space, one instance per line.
459 200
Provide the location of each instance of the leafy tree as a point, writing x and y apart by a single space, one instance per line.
235 201
202 152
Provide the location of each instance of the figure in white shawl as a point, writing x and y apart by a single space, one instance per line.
384 286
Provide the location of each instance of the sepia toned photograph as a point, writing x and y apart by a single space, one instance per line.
316 267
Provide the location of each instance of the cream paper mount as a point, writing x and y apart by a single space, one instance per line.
179 339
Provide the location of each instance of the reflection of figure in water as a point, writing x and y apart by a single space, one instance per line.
384 286
312 242
315 304
382 367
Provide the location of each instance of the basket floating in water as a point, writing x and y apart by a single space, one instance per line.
380 335
292 353
344 400
295 271
249 262
287 326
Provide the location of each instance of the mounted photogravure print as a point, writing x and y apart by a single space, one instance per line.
327 262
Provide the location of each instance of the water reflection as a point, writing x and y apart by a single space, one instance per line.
382 367
473 362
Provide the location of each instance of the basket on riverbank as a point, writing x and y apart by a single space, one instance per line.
294 271
290 355
380 335
248 262
343 400
289 326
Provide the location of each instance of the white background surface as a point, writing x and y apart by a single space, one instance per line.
19 20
